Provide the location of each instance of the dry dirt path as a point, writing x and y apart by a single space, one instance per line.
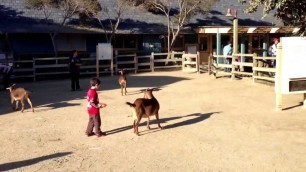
209 125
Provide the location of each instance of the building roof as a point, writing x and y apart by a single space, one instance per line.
16 18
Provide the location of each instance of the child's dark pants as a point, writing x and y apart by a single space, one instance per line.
94 122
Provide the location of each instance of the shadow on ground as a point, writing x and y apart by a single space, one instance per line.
195 118
56 94
24 163
292 107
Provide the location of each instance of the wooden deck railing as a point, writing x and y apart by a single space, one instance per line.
44 68
259 66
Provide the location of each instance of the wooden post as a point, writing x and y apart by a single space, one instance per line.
233 67
97 62
34 69
209 64
242 51
218 45
112 62
152 61
183 60
304 101
235 44
278 78
136 62
254 65
198 62
235 32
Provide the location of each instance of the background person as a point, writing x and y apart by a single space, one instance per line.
74 69
227 50
273 51
6 75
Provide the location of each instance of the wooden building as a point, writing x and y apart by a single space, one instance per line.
24 34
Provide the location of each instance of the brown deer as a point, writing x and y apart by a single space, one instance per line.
19 94
122 81
144 108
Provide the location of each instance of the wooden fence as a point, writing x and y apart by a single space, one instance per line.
262 68
148 63
259 68
190 62
56 67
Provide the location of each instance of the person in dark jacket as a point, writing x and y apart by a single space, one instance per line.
6 73
74 69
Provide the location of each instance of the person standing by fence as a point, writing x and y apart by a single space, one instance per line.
227 50
6 75
273 51
74 69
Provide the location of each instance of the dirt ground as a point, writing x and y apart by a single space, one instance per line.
209 125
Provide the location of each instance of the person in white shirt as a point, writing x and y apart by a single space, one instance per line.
274 47
227 50
274 51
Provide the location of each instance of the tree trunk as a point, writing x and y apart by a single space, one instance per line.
169 46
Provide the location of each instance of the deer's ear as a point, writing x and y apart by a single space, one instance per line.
156 89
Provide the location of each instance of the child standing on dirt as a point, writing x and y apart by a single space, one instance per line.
93 108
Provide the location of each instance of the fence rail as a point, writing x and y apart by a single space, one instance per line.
258 66
44 68
153 62
262 65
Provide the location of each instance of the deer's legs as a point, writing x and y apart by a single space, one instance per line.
30 103
148 123
157 119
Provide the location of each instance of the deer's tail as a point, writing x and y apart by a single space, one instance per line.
131 104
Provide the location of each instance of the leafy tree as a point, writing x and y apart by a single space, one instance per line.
291 12
177 12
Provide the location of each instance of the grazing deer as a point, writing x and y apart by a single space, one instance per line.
19 94
122 81
144 108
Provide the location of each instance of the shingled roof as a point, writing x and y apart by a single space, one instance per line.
16 18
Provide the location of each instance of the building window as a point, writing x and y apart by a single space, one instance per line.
125 42
129 42
70 42
151 43
203 44
179 42
257 42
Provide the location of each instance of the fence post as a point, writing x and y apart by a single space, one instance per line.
304 101
278 78
97 63
136 62
198 62
255 60
152 61
115 62
34 69
233 67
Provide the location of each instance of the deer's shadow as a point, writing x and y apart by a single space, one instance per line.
198 117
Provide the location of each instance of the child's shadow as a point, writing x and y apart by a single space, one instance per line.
198 118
